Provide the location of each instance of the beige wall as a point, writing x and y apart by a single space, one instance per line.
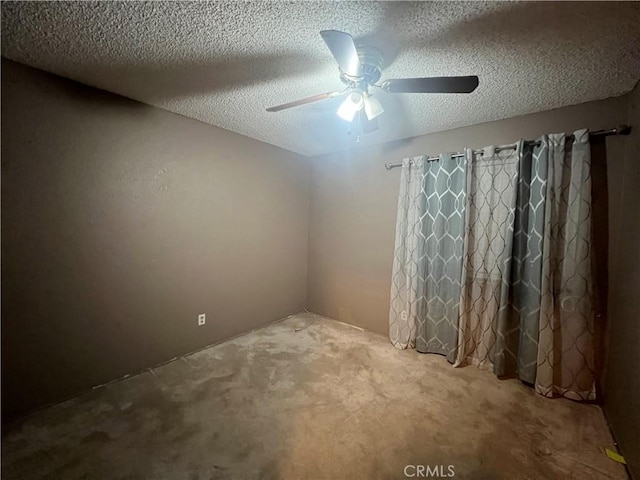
622 395
354 198
121 223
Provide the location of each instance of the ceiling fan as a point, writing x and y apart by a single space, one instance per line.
360 68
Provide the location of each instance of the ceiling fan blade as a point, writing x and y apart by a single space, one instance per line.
303 101
344 51
431 85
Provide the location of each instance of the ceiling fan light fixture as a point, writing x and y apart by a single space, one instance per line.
372 107
360 67
351 105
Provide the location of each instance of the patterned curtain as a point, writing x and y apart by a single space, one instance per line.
493 262
492 179
566 363
425 292
519 322
443 232
407 281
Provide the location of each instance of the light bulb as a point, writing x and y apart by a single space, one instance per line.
351 105
372 107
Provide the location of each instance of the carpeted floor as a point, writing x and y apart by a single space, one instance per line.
326 402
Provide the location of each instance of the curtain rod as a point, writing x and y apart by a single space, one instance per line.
619 130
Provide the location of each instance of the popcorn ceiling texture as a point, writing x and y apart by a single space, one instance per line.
223 63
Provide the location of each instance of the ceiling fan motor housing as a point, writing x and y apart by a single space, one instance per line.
371 61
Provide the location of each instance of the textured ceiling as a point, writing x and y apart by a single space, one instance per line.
224 62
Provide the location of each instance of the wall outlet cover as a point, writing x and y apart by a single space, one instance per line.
201 319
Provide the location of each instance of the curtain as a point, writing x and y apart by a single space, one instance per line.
493 262
425 290
519 322
492 179
566 364
407 281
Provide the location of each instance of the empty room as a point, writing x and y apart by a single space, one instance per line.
320 240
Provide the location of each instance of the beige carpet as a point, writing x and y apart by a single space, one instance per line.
325 402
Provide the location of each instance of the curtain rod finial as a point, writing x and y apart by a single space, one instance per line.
623 130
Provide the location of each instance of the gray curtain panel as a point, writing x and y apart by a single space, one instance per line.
566 363
443 231
518 323
407 279
425 290
492 179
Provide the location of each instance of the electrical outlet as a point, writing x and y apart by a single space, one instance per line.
201 319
